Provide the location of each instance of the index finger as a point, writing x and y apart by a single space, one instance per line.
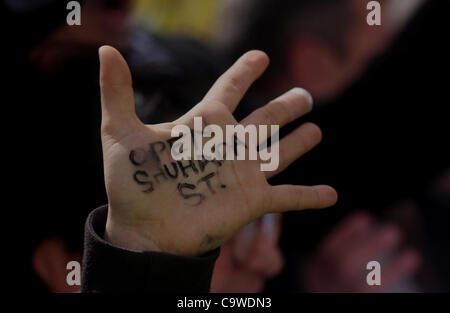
234 83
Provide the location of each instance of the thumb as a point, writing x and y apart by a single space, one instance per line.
117 98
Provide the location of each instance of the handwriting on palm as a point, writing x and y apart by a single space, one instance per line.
191 207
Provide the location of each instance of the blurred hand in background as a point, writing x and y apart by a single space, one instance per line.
249 258
339 263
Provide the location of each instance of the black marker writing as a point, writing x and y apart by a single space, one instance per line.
182 190
143 182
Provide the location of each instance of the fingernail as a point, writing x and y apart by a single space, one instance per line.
100 49
305 93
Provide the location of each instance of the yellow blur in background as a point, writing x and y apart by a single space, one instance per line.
193 18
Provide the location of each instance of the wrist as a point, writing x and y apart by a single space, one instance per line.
127 237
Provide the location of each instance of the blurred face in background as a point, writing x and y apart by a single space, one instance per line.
326 69
102 22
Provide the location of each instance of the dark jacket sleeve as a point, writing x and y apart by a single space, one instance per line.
107 268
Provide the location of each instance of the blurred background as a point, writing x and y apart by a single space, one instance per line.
381 97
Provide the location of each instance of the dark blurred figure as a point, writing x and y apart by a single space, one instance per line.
381 101
55 96
384 127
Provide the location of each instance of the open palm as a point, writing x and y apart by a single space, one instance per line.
191 207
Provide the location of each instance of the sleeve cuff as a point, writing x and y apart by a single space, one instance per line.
107 268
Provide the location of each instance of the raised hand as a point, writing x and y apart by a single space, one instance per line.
339 264
191 207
